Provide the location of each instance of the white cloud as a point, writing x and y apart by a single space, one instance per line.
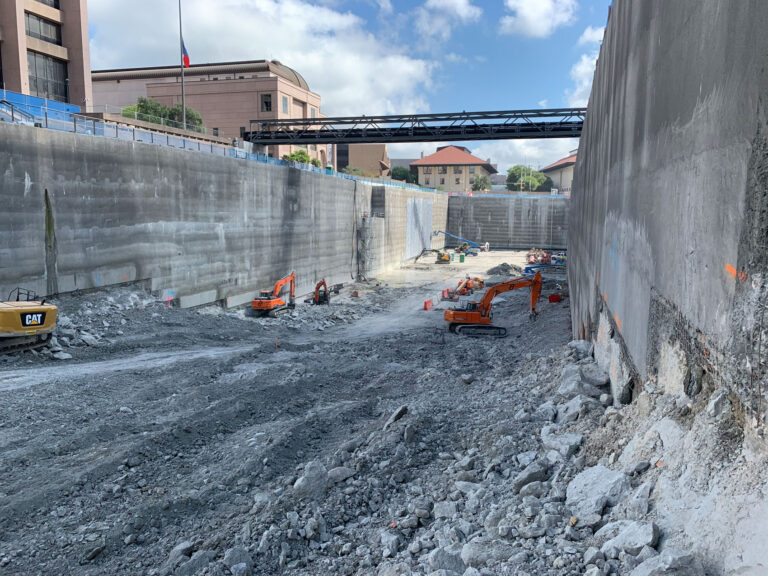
454 58
536 153
537 18
592 36
437 18
385 6
543 103
354 71
582 74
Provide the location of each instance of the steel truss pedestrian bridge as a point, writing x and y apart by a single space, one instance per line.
500 125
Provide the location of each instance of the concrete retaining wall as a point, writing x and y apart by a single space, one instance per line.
668 236
82 212
509 222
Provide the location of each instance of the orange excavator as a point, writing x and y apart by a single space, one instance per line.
475 318
269 303
322 294
465 287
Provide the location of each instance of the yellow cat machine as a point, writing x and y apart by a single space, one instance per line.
25 321
442 257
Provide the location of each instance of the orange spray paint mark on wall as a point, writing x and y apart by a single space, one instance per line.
741 276
616 319
605 297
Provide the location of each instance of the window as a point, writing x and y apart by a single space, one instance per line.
442 169
266 102
311 112
215 131
471 169
442 180
426 181
471 180
51 3
242 132
457 169
47 77
458 180
313 147
42 29
427 169
285 104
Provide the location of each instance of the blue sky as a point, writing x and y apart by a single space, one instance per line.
383 56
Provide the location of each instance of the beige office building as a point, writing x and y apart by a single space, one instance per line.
452 169
44 49
229 96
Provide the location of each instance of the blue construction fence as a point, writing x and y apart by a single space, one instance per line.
33 111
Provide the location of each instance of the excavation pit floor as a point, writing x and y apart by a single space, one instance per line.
179 441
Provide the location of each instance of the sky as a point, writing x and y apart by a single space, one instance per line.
383 56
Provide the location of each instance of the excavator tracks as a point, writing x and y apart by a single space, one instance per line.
478 330
21 343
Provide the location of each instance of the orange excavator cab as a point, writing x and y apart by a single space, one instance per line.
269 302
475 318
322 294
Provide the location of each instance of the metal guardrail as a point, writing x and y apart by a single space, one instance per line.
42 117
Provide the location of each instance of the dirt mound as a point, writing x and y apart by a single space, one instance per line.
505 269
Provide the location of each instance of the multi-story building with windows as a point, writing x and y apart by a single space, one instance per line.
44 49
230 96
452 169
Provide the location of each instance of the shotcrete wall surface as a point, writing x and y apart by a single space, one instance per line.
669 176
82 212
669 220
516 222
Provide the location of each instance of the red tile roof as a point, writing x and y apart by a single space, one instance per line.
452 156
562 163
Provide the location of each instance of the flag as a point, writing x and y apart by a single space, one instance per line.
184 55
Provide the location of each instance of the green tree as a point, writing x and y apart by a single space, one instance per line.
298 156
353 171
315 162
482 182
148 110
524 179
403 174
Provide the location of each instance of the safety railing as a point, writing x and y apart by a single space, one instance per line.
44 117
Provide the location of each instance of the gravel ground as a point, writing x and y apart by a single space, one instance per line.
355 438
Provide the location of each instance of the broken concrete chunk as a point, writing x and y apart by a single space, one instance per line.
581 348
199 560
396 415
536 471
447 558
575 408
592 374
719 403
313 482
633 538
237 555
546 412
339 474
482 550
670 562
594 488
564 444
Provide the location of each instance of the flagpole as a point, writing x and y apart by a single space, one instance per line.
181 54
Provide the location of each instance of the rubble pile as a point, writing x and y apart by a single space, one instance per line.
401 453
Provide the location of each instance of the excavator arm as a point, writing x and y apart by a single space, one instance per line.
269 302
486 302
475 318
282 282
